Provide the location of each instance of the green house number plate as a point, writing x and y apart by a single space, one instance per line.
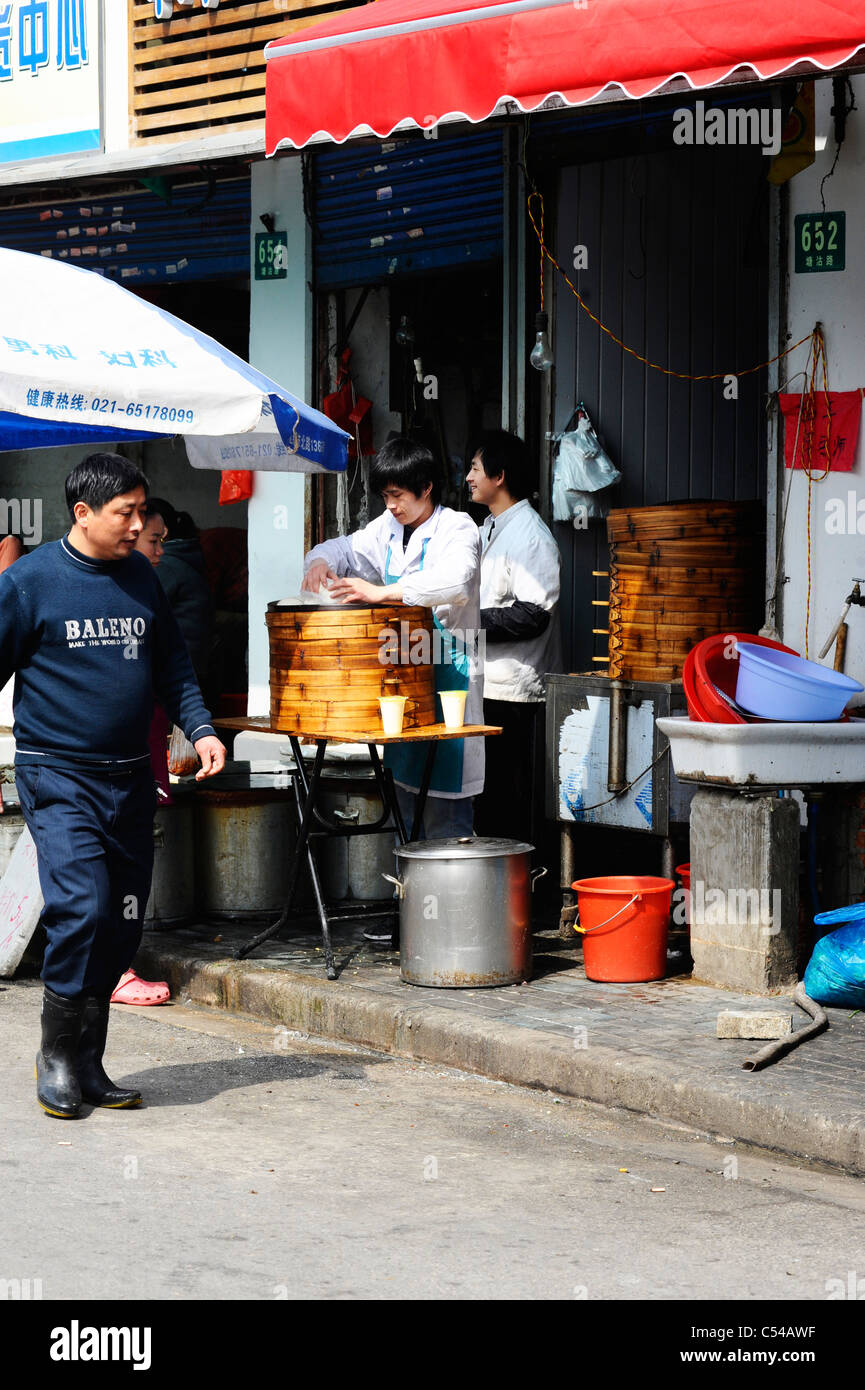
271 256
821 241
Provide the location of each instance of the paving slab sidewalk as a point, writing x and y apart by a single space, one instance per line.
650 1048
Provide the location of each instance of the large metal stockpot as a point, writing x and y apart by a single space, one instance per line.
465 912
244 843
172 887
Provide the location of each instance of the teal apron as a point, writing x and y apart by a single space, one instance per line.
451 673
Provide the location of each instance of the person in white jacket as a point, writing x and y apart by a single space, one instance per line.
520 564
421 554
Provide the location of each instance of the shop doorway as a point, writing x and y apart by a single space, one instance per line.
426 351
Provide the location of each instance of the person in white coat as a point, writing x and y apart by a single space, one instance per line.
420 554
520 565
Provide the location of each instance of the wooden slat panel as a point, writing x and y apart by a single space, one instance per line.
226 44
204 23
173 137
249 106
179 72
232 38
251 83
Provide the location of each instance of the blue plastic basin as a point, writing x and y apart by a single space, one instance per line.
777 685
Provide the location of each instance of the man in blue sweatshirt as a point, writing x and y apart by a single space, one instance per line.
87 631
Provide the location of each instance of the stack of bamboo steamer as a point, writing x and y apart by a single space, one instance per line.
679 573
329 665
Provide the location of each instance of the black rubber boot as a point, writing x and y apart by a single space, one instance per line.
96 1087
57 1087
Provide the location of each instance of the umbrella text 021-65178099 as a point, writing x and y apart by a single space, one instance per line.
83 360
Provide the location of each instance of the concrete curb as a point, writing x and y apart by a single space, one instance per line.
427 1032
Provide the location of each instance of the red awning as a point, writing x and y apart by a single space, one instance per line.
380 64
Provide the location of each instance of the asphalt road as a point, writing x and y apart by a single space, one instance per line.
265 1166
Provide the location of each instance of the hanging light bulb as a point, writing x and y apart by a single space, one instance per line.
542 354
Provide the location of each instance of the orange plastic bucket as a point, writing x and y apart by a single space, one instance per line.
684 872
623 923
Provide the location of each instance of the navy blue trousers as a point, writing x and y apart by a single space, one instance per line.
94 842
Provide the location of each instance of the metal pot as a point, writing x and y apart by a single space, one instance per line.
172 888
11 825
465 912
354 867
245 834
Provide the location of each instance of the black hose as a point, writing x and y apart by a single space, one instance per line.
775 1049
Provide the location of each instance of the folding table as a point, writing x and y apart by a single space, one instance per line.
313 824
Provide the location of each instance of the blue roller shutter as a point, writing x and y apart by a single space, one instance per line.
138 238
403 206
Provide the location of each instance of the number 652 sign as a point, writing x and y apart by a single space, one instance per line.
820 239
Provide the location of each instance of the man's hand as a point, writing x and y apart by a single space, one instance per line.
361 591
212 755
315 577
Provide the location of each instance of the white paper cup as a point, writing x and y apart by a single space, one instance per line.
392 712
453 708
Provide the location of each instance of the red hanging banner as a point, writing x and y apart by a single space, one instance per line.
235 486
812 449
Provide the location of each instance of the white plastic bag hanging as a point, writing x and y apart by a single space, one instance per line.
582 470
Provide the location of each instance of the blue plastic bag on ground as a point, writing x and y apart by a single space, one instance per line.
836 970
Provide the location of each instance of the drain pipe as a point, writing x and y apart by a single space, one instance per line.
776 1049
617 748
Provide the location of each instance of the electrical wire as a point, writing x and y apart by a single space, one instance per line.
663 753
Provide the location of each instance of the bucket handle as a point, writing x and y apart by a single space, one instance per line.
535 875
587 930
400 886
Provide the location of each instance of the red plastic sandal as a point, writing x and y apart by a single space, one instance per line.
131 989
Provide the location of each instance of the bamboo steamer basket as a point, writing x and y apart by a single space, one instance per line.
671 605
679 573
686 520
330 663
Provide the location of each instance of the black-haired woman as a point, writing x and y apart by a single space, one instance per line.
421 554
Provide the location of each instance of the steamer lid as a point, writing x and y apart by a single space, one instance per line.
309 601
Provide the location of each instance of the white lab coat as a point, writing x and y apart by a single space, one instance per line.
520 561
440 569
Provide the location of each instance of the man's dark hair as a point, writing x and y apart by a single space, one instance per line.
99 477
506 453
402 462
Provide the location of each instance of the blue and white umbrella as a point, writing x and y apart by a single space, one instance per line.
83 360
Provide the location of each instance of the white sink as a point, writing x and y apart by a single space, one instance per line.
766 755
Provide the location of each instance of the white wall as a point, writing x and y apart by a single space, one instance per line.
115 76
836 299
280 343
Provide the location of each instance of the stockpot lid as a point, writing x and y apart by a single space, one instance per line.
463 847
